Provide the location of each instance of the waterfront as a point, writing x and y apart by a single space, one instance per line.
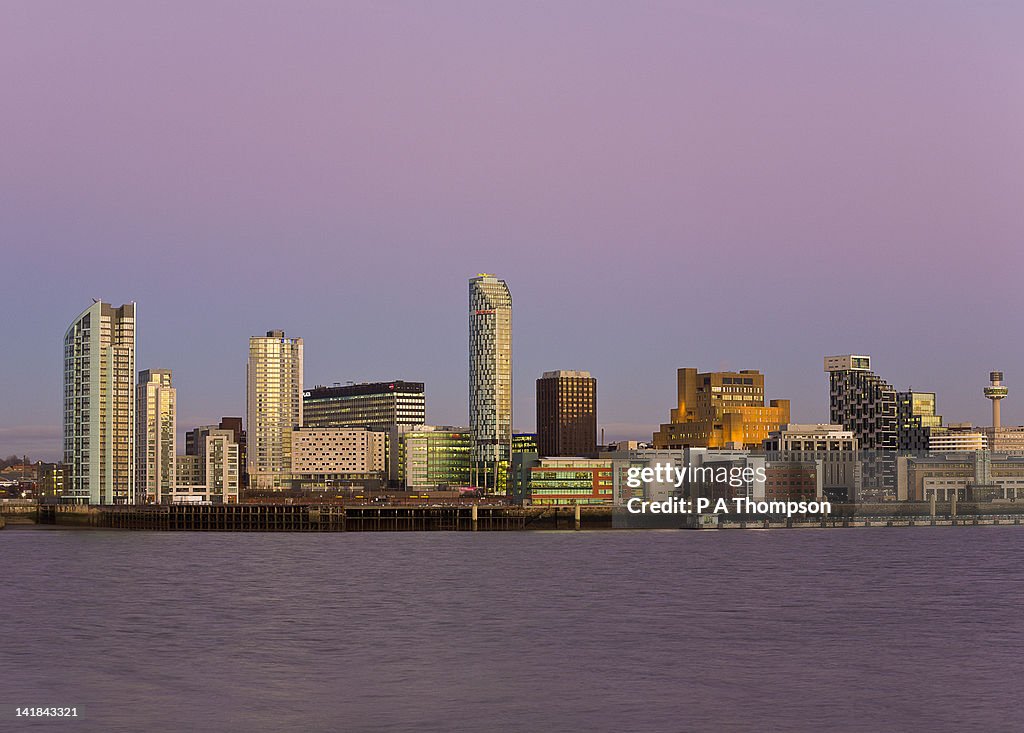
877 629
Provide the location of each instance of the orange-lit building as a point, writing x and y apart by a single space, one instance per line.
721 410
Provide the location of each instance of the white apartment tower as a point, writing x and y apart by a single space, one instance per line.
273 406
490 370
99 406
155 435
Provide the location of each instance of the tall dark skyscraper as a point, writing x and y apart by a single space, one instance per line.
567 414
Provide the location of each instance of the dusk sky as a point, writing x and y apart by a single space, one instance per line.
706 184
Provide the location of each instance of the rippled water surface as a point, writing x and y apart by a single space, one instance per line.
860 629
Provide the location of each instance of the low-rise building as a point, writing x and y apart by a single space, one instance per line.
433 457
833 450
213 475
957 438
327 458
792 481
971 476
1005 440
561 481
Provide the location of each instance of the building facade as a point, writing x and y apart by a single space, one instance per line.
99 406
273 406
191 480
490 376
916 419
221 466
327 459
213 474
155 435
388 406
374 405
865 404
831 449
194 437
567 414
435 457
884 420
970 476
792 481
720 410
51 482
563 481
957 438
1005 440
337 451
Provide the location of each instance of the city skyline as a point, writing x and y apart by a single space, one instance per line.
274 335
718 186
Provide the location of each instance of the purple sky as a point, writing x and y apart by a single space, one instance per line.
707 184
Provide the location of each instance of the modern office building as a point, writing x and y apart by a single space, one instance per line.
374 405
831 449
99 406
561 481
524 443
434 457
490 377
387 406
720 410
273 406
567 414
915 420
155 435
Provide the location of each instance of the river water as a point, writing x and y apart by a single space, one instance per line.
879 629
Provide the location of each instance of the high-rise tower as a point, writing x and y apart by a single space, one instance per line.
156 435
273 407
490 375
99 406
867 405
567 414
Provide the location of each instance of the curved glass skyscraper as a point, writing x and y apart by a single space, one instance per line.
490 376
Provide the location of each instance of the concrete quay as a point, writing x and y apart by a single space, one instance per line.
291 517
